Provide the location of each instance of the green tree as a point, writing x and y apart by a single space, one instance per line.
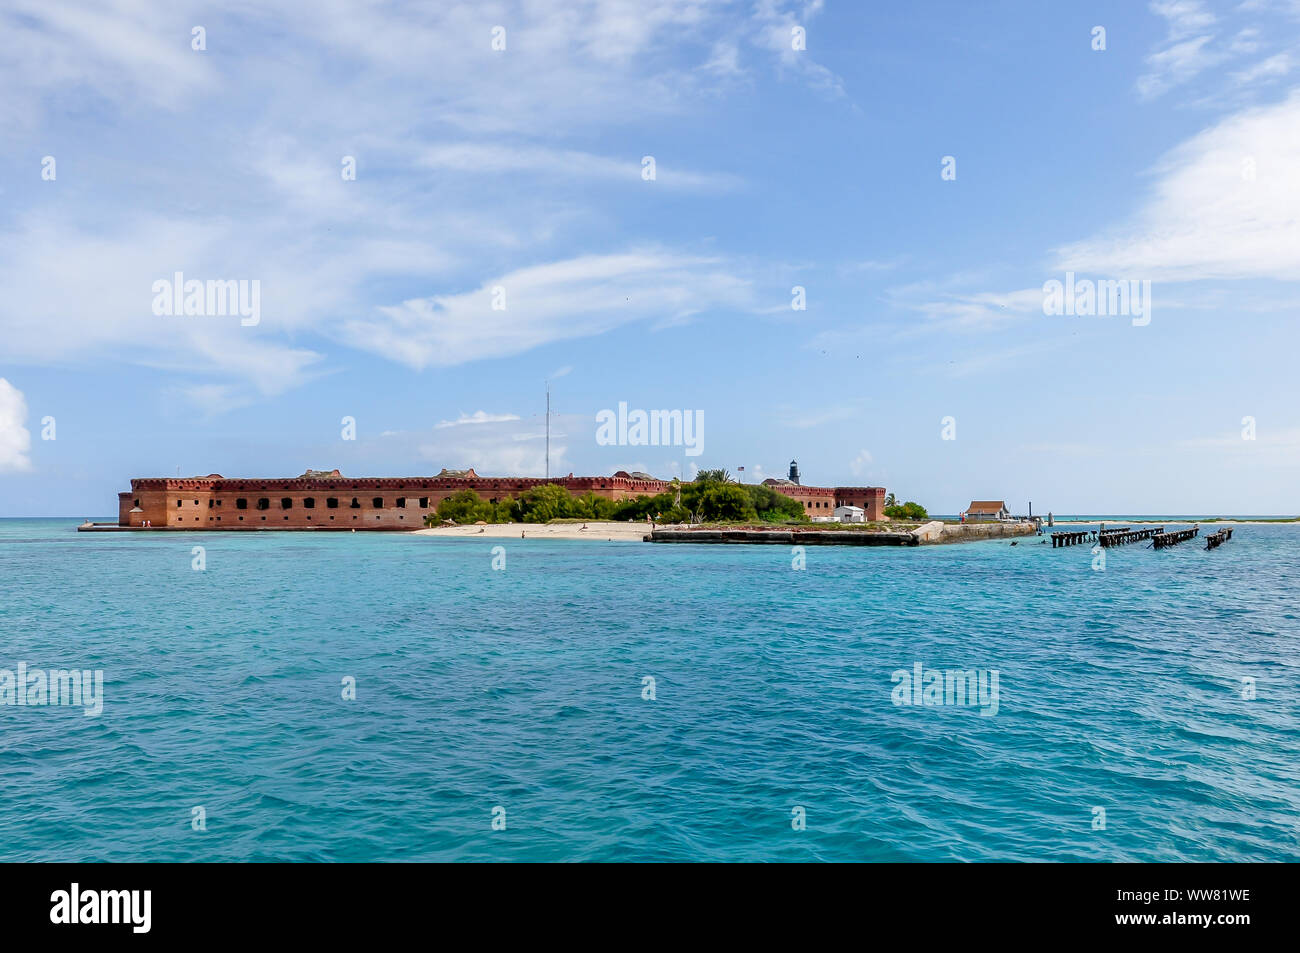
465 506
907 511
722 502
713 476
544 503
773 506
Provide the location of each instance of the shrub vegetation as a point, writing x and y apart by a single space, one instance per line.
713 497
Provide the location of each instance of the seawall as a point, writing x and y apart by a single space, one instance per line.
928 534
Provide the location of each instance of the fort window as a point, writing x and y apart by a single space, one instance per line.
424 502
180 502
263 504
137 502
241 504
355 505
332 502
378 502
309 503
286 503
211 503
401 502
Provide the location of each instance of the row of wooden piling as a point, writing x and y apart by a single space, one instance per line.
1165 540
1073 538
1215 540
1122 537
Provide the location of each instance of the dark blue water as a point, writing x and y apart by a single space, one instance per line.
521 689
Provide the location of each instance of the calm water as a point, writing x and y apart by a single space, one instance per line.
522 689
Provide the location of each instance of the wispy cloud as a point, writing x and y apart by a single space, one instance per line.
478 417
575 298
568 165
1197 40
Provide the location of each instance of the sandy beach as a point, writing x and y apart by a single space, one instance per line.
595 529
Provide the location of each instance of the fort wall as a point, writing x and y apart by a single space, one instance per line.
387 503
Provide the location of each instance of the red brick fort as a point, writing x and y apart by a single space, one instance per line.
328 500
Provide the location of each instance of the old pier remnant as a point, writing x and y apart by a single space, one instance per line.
1165 540
1215 540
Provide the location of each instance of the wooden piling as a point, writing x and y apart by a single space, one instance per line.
1165 540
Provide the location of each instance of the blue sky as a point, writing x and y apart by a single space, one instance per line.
1171 156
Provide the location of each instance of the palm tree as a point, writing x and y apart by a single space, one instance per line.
890 500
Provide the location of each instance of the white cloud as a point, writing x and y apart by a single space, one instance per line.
1174 65
571 165
478 417
569 299
113 49
1274 67
495 447
1225 206
980 311
773 30
860 464
15 441
249 185
1198 40
1184 17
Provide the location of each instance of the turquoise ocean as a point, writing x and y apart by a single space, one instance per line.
1160 696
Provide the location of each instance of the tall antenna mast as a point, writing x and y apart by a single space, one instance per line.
548 430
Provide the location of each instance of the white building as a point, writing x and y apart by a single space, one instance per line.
850 514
